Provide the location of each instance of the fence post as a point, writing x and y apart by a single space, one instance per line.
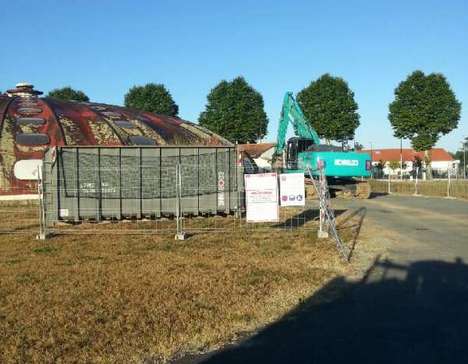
323 227
448 184
239 182
327 215
180 234
416 192
388 189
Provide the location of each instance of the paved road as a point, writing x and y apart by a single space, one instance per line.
424 227
409 308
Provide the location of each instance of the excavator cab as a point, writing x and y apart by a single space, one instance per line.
295 146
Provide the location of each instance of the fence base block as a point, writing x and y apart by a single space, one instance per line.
42 236
322 234
180 236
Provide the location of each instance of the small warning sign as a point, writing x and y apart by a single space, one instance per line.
221 184
292 189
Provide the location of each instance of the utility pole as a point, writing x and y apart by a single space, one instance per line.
464 160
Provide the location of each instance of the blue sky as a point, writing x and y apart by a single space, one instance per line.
105 47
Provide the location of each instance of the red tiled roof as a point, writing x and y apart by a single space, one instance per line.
255 150
437 154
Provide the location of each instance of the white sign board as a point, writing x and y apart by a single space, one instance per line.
261 194
292 190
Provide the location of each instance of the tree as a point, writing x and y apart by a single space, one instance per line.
328 104
463 158
381 164
358 146
394 165
380 168
424 108
68 94
417 166
235 111
153 98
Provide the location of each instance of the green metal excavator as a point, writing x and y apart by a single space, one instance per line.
345 170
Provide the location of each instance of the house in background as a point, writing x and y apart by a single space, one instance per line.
261 153
441 161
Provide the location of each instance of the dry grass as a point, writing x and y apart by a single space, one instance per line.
117 298
458 188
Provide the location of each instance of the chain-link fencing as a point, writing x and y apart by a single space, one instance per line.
18 214
437 187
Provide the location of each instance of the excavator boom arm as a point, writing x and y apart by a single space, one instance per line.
292 113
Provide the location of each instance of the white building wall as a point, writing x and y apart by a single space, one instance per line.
440 166
264 161
263 164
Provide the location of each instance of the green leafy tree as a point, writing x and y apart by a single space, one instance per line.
424 109
379 168
153 98
235 111
417 162
381 164
328 104
68 94
394 165
460 155
358 146
417 166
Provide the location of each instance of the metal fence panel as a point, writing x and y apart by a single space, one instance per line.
98 183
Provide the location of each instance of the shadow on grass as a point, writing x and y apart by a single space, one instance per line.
26 228
395 314
303 218
352 222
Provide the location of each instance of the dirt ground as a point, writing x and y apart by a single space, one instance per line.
128 298
408 307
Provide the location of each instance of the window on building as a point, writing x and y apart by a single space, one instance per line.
29 110
30 121
141 140
111 114
32 139
28 169
124 124
98 107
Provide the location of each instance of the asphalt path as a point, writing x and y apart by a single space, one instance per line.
423 227
411 306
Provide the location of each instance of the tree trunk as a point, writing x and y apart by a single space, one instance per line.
427 163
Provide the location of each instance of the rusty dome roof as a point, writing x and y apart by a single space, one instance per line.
29 123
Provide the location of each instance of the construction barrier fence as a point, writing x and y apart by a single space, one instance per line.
453 188
178 191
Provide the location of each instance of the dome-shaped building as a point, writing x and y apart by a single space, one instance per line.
31 124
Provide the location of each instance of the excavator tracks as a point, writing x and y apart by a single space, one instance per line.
363 190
